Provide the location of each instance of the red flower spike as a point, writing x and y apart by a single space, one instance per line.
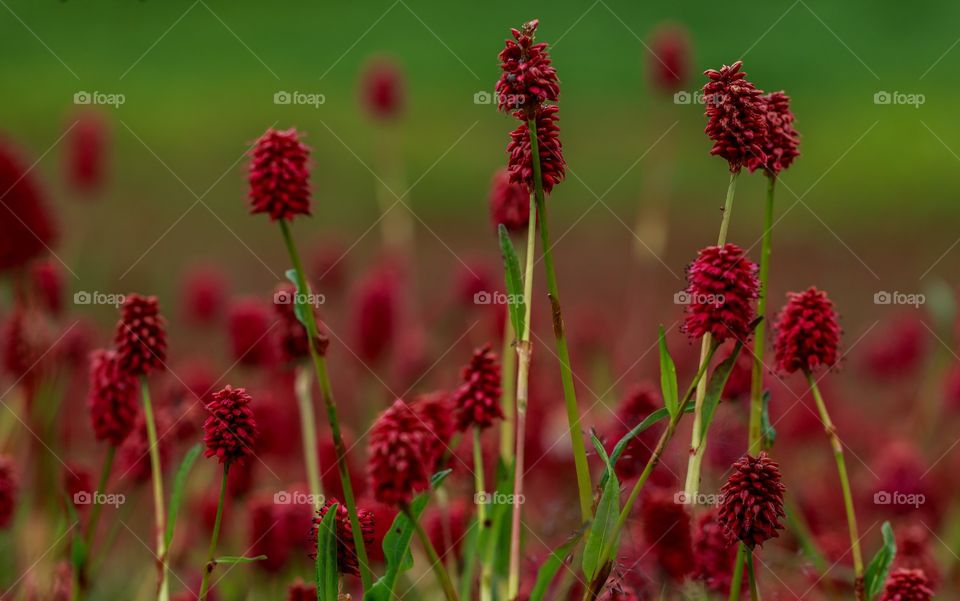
528 79
382 89
752 504
203 293
112 399
347 562
279 177
666 528
27 228
807 332
668 61
248 326
782 141
715 555
477 401
141 339
230 430
47 281
722 289
399 457
86 156
509 203
552 165
735 117
907 585
436 409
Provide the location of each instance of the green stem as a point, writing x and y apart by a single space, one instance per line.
752 576
566 374
163 592
759 340
737 580
435 563
308 431
844 481
698 441
326 392
208 567
508 374
101 488
486 573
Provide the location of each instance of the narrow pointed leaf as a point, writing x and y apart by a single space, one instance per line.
239 559
548 570
668 377
879 568
715 388
179 482
511 266
326 564
767 430
604 521
299 298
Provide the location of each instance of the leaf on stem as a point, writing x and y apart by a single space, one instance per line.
715 389
767 431
511 267
879 567
326 565
668 377
548 570
300 298
228 559
176 497
604 520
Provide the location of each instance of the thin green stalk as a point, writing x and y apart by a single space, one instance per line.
208 567
163 587
584 484
435 563
737 580
508 374
96 510
308 431
326 392
752 577
759 340
486 571
844 482
698 442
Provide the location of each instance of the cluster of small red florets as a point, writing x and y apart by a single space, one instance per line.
141 339
808 334
279 176
347 562
752 504
112 399
400 455
720 296
230 430
477 401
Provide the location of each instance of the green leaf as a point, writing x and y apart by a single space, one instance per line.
228 559
511 266
715 388
604 520
548 570
179 482
648 421
668 377
879 567
767 430
326 564
396 545
299 298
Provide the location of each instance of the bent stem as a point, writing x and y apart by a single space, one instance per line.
566 374
163 592
844 484
486 572
308 430
435 562
759 341
208 567
698 441
326 392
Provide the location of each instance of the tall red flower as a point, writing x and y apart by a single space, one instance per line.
203 294
752 504
27 228
782 142
436 409
141 339
807 332
668 60
509 203
9 486
552 165
721 292
907 585
279 177
666 528
735 116
376 313
230 430
112 399
527 79
25 337
399 457
47 282
477 401
382 90
347 562
86 160
249 324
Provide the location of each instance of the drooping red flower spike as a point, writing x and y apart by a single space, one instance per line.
721 292
668 60
552 164
735 116
112 399
230 429
807 332
279 177
666 528
715 555
527 79
399 455
477 400
782 142
9 486
27 228
509 203
752 504
141 338
301 591
382 90
346 548
907 585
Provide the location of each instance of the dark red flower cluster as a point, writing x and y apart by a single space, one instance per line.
9 485
47 282
399 459
25 339
641 400
666 529
477 400
528 79
86 160
752 503
112 399
715 555
436 409
230 430
346 548
907 585
141 339
509 203
27 228
721 293
203 294
807 332
376 313
248 325
668 61
278 530
279 178
382 89
735 116
135 451
550 151
782 142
